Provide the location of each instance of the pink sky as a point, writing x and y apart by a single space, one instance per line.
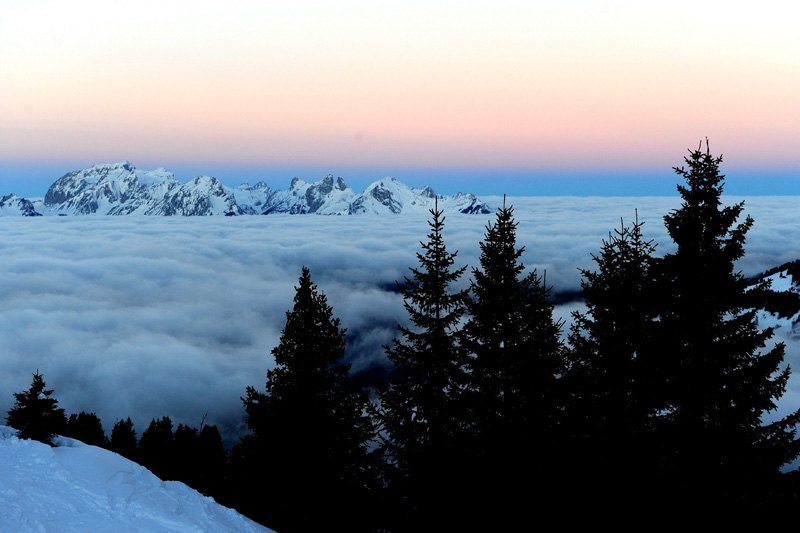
508 85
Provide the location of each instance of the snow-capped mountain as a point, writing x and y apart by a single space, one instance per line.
323 197
390 195
73 488
14 205
122 189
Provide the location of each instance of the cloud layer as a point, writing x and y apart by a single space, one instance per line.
146 317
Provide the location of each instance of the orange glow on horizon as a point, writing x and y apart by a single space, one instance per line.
602 84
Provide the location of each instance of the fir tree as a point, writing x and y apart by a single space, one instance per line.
421 410
87 428
188 466
513 338
212 461
307 457
36 414
611 375
123 439
516 361
156 448
720 384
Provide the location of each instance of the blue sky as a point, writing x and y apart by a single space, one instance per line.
32 179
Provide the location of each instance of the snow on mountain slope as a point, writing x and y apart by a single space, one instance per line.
75 488
202 196
779 307
117 188
13 205
256 196
122 189
390 196
323 197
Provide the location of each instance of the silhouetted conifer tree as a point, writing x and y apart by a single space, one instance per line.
213 459
156 448
422 409
87 428
720 384
306 466
186 446
36 414
123 439
517 358
611 375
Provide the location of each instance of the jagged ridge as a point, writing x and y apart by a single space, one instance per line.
122 189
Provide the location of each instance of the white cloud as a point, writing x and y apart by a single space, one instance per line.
146 317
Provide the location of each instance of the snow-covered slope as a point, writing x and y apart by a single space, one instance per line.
118 188
13 205
122 189
75 488
323 197
779 307
390 196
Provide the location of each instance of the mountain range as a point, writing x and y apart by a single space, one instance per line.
122 189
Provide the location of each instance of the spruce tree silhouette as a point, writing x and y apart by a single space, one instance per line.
123 439
421 410
307 458
611 373
517 358
35 414
87 428
157 448
718 448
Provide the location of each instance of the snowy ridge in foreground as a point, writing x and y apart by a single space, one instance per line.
77 488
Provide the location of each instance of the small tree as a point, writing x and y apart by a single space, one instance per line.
421 410
123 439
87 428
213 459
157 448
36 414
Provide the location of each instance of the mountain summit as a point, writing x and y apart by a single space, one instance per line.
122 189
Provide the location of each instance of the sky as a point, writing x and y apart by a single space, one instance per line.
519 97
145 317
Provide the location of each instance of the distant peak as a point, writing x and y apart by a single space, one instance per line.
126 165
428 191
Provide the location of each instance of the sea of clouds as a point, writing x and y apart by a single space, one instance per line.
145 317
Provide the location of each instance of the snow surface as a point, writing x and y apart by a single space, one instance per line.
122 189
74 487
781 282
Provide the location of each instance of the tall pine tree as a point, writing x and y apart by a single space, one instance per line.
421 410
516 361
720 383
611 375
307 461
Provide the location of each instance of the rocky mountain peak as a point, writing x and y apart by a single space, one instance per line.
122 189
